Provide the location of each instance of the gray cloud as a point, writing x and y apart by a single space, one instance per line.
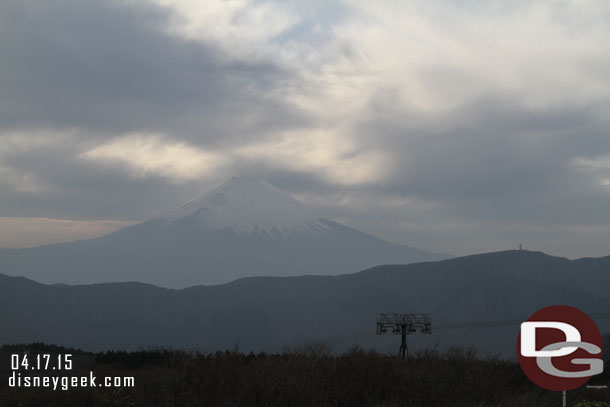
110 67
466 151
96 70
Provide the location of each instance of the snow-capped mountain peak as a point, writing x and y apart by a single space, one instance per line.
248 205
242 228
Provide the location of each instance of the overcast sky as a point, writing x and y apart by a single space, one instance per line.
457 127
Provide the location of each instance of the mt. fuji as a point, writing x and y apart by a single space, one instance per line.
244 227
246 205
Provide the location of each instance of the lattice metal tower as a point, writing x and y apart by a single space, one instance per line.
403 324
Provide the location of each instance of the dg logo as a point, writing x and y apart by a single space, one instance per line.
560 348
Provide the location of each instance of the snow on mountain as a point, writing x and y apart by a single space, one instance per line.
243 228
247 205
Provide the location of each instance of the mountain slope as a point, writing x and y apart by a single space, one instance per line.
246 205
269 313
244 227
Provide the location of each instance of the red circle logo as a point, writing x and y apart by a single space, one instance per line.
560 348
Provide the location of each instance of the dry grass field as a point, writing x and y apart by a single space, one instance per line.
308 375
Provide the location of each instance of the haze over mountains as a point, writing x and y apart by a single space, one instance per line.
244 227
247 228
269 313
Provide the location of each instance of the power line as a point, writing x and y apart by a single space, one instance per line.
488 324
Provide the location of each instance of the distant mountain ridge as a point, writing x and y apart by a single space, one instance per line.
244 227
267 313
